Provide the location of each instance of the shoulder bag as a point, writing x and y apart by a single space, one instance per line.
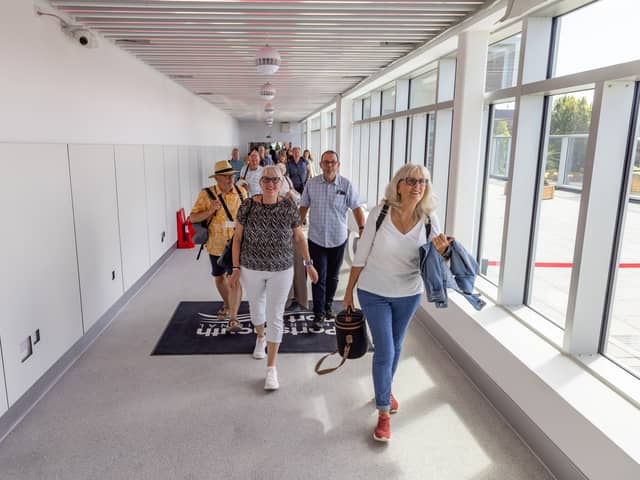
351 335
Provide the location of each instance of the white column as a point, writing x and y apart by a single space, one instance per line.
523 166
466 143
523 163
604 167
343 134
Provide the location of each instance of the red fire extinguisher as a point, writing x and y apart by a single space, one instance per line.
185 230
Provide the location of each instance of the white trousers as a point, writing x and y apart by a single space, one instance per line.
267 294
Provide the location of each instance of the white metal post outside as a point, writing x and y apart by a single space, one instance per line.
595 236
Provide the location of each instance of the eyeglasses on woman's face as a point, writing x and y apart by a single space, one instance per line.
274 180
412 181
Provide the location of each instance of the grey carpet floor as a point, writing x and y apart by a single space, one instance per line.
119 413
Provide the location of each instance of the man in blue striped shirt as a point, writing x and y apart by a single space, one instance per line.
329 196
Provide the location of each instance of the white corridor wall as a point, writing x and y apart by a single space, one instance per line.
97 151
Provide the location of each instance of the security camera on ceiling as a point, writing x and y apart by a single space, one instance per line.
82 36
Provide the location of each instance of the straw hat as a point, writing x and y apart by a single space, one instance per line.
223 167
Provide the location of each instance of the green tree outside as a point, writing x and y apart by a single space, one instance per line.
569 115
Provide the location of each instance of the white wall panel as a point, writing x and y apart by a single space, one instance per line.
208 156
156 201
95 209
132 212
39 281
195 177
185 182
172 191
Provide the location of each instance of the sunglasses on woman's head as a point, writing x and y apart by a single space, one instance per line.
273 180
412 182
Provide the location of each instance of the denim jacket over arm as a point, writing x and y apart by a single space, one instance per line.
459 275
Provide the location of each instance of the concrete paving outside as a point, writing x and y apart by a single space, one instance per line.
550 283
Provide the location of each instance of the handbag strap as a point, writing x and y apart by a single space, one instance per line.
383 213
324 371
385 210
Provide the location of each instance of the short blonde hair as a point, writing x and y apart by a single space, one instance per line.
425 206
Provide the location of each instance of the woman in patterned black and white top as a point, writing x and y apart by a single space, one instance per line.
263 262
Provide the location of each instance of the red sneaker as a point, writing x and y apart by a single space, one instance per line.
394 405
382 433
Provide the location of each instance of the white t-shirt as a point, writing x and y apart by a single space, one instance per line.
252 178
391 260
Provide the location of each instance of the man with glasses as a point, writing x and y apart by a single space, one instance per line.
221 228
251 173
329 196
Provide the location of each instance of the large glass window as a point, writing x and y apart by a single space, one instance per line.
495 189
623 337
600 34
315 144
384 175
388 100
355 153
372 180
568 115
502 63
360 177
399 143
331 130
357 110
366 107
418 139
431 135
423 89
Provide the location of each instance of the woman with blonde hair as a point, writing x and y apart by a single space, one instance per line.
387 270
262 253
309 158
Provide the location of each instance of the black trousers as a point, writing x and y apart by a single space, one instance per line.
327 262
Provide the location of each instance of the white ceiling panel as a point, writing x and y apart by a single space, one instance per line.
209 46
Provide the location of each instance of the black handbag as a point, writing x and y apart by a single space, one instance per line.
351 336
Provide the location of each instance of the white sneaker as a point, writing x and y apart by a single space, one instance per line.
259 350
271 381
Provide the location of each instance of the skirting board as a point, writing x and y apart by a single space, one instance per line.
30 399
554 459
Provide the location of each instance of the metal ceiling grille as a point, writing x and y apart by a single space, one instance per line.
209 46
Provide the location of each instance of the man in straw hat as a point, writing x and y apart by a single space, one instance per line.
221 229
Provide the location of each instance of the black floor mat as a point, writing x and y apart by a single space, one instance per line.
195 329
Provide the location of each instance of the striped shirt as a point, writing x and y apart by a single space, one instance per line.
328 203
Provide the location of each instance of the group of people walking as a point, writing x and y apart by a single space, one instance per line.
264 212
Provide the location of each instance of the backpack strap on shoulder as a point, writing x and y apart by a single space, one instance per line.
383 213
212 195
427 227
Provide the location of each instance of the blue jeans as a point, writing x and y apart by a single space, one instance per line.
388 319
